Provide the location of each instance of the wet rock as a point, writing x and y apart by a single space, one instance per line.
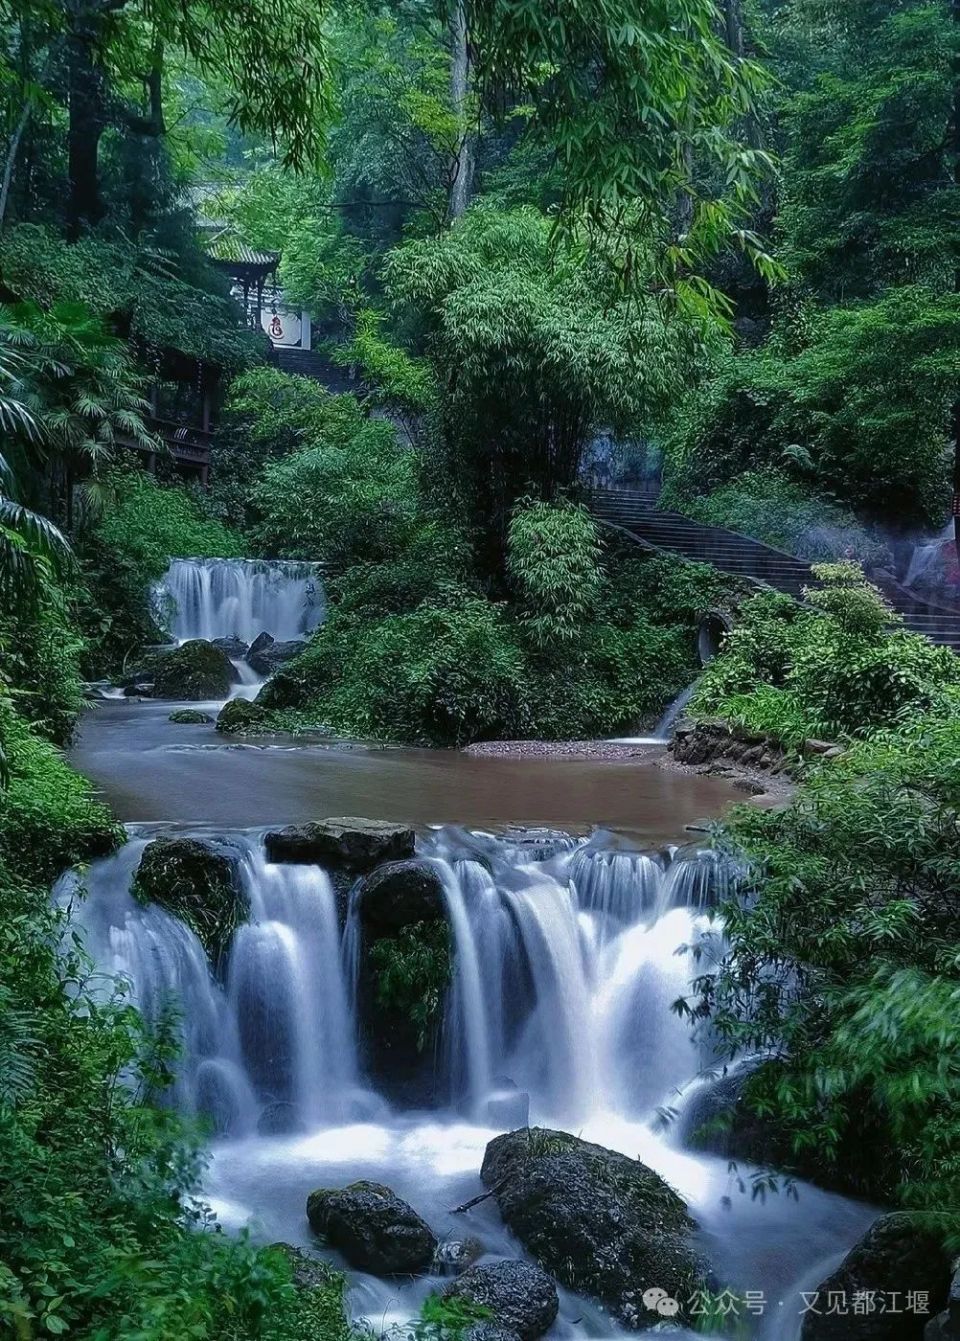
190 717
196 670
455 1255
602 1223
235 648
138 689
357 844
398 894
489 1331
521 1298
405 968
373 1228
507 1108
197 884
893 1258
241 717
946 1326
265 657
814 747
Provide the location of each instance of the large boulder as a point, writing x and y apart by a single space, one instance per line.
355 844
521 1298
604 1224
895 1259
719 1120
946 1325
373 1228
242 717
235 648
405 967
265 654
198 885
190 717
195 670
398 894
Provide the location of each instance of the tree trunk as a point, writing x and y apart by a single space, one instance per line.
13 149
733 19
463 166
87 122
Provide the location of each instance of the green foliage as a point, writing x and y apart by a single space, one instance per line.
841 965
787 514
40 654
533 352
448 1319
400 383
857 407
48 814
868 199
553 556
439 674
127 549
413 974
640 102
350 495
404 655
830 668
132 285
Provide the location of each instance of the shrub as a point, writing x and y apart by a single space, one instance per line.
49 816
127 549
553 557
343 500
830 668
40 656
440 674
841 965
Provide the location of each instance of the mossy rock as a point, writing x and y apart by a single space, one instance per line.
196 670
197 885
242 717
190 717
373 1228
603 1224
319 1288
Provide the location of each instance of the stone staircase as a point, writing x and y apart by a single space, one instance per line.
313 363
636 514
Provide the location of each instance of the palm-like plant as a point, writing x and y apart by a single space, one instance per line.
82 389
30 544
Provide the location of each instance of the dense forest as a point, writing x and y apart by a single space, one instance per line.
703 251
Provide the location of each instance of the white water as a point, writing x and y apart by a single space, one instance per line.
664 730
241 598
567 960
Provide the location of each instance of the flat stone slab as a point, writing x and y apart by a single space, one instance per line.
356 844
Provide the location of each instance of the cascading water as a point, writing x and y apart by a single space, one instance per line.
241 598
567 959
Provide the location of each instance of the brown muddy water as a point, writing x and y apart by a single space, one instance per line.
151 769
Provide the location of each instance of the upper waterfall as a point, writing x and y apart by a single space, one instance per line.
241 598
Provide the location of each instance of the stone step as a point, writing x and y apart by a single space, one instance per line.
742 556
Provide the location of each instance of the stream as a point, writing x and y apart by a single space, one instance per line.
568 953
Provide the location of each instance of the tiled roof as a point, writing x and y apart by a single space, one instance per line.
227 247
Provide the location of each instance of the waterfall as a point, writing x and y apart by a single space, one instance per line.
564 970
240 598
664 731
567 961
275 1041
